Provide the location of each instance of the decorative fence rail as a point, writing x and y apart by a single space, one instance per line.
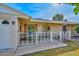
42 37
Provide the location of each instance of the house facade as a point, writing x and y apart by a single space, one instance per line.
43 25
17 28
46 27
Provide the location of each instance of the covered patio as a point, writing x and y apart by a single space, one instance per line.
31 32
34 37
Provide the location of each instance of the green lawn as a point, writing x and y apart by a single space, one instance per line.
72 46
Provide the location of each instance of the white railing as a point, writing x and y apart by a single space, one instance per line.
42 37
66 35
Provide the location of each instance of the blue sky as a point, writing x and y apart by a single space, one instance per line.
46 10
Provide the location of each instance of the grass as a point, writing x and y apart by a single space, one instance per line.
72 46
71 53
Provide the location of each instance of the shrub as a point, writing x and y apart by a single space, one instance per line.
77 29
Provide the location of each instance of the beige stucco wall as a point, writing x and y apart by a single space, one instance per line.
56 27
22 22
70 27
40 26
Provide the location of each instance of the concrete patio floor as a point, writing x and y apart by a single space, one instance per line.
31 49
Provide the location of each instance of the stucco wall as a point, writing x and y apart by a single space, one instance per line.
56 27
22 22
40 26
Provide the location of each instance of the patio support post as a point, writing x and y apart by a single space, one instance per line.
44 36
51 36
27 37
61 36
69 35
36 38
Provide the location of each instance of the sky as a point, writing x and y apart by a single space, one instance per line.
46 10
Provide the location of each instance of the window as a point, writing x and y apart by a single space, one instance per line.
5 22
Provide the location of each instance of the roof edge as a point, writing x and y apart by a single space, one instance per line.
19 13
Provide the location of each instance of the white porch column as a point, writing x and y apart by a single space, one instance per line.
51 36
36 38
61 36
44 36
27 37
69 35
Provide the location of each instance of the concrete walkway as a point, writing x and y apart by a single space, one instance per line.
31 49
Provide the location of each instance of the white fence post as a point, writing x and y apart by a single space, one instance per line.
61 36
27 37
51 36
44 37
36 38
69 35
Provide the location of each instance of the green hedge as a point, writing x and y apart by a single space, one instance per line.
77 29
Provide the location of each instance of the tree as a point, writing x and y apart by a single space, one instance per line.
77 28
76 9
58 17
